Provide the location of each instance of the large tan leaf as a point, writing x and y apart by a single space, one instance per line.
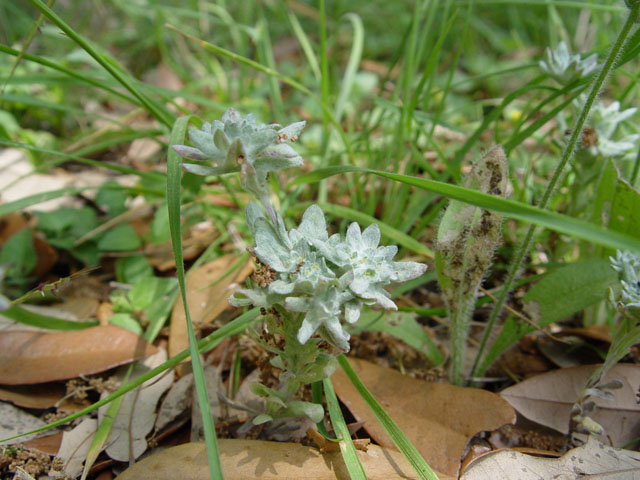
207 294
593 460
36 357
255 459
439 419
548 398
137 412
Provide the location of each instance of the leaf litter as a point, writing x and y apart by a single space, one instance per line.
35 357
594 460
439 419
547 399
256 459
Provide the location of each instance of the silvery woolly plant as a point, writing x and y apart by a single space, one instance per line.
625 298
308 283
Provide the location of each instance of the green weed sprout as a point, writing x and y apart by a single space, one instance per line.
308 284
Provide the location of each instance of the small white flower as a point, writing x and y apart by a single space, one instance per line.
564 67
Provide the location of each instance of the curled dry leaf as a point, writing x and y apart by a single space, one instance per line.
37 357
75 446
255 459
547 399
176 402
438 419
208 294
137 413
592 460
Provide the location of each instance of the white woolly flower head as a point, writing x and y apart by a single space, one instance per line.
329 279
564 67
241 144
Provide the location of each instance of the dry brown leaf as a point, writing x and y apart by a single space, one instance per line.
36 357
82 308
75 446
137 412
593 460
438 419
547 399
255 459
39 396
601 333
49 444
206 299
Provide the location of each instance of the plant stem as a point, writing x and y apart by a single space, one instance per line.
596 87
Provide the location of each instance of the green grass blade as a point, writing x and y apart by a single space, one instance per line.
161 115
174 175
352 65
272 73
25 47
27 317
410 452
347 449
102 433
60 68
509 208
305 44
316 395
22 203
234 327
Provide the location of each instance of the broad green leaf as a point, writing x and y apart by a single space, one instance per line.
560 294
18 256
625 211
605 193
112 200
121 238
133 269
125 320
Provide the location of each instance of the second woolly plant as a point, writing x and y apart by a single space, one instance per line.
308 284
466 240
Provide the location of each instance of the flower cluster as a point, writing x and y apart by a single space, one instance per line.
628 267
327 278
564 67
241 144
605 120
